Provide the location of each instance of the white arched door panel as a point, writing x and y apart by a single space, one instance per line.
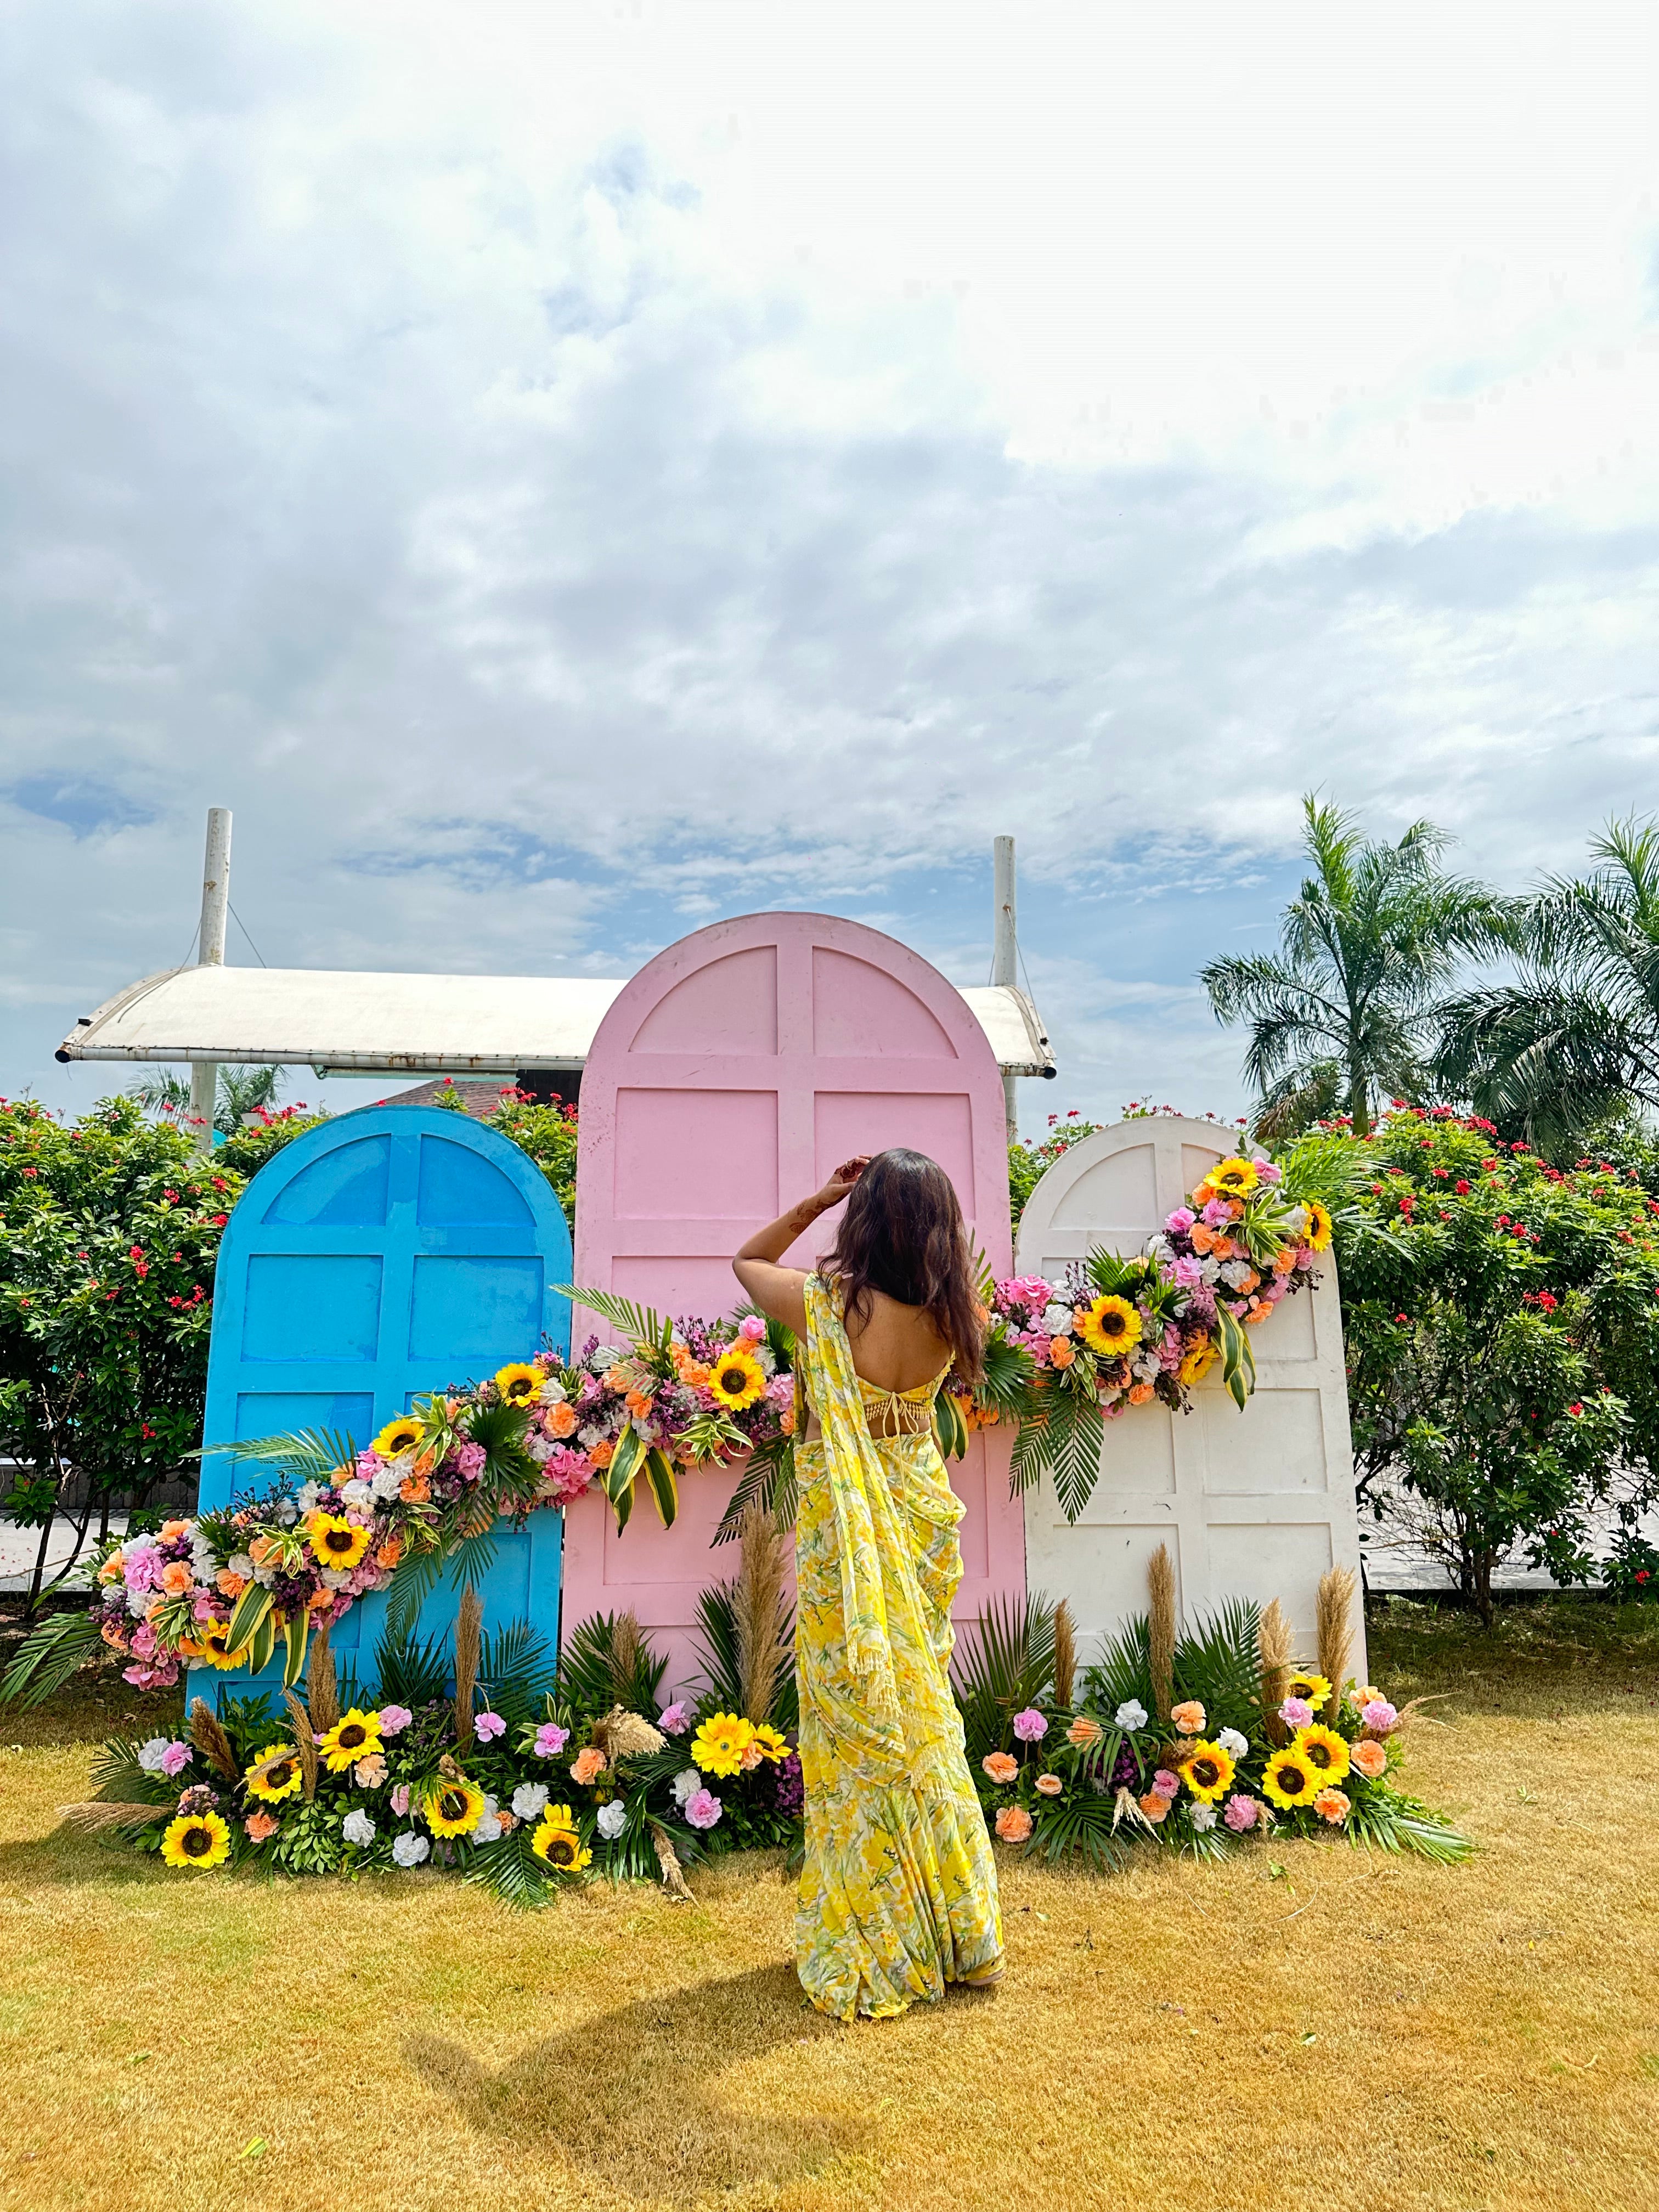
1258 1504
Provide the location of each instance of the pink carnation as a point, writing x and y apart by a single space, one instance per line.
1180 1221
751 1329
1240 1813
394 1719
675 1719
175 1758
143 1641
400 1800
161 1677
1030 1291
1267 1172
1165 1784
1029 1726
550 1740
1295 1712
487 1726
568 1473
703 1808
1379 1716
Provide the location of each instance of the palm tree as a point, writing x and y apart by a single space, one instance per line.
1346 1010
1573 1043
241 1091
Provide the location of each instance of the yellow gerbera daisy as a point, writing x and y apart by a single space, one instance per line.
558 1842
1235 1178
1110 1325
519 1383
453 1807
1312 1689
1200 1358
1208 1771
1290 1779
355 1736
769 1744
1324 1750
397 1437
337 1541
213 1644
1317 1234
196 1840
276 1773
718 1745
736 1377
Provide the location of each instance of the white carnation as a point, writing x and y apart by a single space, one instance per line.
606 1356
386 1484
1057 1320
613 1819
1236 1273
409 1848
308 1494
488 1829
592 1435
335 1579
1132 1715
1210 1270
1203 1817
288 1513
242 1563
357 1491
136 1603
540 1447
357 1827
149 1754
529 1800
1232 1743
553 1393
687 1783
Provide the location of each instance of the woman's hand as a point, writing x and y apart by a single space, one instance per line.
840 1182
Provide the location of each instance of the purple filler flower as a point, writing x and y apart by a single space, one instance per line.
703 1808
394 1719
1029 1726
1295 1712
550 1740
1240 1813
675 1719
488 1726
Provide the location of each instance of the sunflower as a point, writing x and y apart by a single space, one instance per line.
1312 1689
1111 1325
1199 1359
769 1743
1291 1780
518 1384
1235 1178
718 1745
557 1841
452 1808
355 1736
1324 1750
196 1840
337 1541
397 1437
735 1379
275 1773
1208 1771
213 1644
1317 1234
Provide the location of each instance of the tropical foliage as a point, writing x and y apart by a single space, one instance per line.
1346 1011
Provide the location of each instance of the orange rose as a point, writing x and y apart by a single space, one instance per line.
110 1570
638 1404
559 1420
261 1825
1369 1759
1000 1768
321 1600
389 1552
1049 1785
587 1766
1062 1350
1013 1823
1155 1807
172 1530
1140 1394
260 1549
1189 1717
603 1454
415 1490
1205 1239
1284 1259
787 1420
1201 1197
1332 1805
229 1584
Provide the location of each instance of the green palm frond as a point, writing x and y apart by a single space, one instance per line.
47 1656
717 1633
1007 1375
414 1582
517 1670
302 1454
639 1324
1064 1442
1122 1671
118 1779
411 1672
510 1870
1083 1826
1217 1660
768 1476
1002 1664
588 1671
1388 1821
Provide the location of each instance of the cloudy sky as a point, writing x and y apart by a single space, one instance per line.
564 473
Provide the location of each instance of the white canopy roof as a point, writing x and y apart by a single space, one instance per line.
329 1018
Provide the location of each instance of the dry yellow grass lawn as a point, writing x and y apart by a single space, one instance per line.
1348 2032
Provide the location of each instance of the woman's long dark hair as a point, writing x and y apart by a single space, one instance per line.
903 1233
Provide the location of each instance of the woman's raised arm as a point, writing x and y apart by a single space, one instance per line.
779 1290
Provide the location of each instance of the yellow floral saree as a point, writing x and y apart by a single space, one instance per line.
898 1894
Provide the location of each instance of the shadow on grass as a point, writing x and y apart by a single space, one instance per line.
635 2094
66 1857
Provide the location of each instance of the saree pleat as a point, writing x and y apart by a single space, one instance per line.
898 1893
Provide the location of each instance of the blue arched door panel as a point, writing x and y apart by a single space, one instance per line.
391 1252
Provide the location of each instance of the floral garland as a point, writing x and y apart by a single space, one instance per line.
1122 1331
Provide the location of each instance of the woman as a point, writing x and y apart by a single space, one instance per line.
899 1892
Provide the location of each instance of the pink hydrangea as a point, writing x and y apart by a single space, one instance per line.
1295 1712
394 1719
703 1808
1267 1172
142 1567
568 1473
1379 1716
487 1726
468 1459
1240 1813
1029 1726
1165 1784
550 1740
1030 1291
675 1719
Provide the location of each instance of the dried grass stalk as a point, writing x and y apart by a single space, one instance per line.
622 1735
673 1880
469 1627
1276 1644
627 1650
322 1684
1065 1654
103 1813
1335 1616
1161 1628
304 1742
757 1605
211 1740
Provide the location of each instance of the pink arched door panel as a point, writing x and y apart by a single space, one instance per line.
727 1079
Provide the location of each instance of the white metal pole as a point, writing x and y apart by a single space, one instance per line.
1004 961
210 953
